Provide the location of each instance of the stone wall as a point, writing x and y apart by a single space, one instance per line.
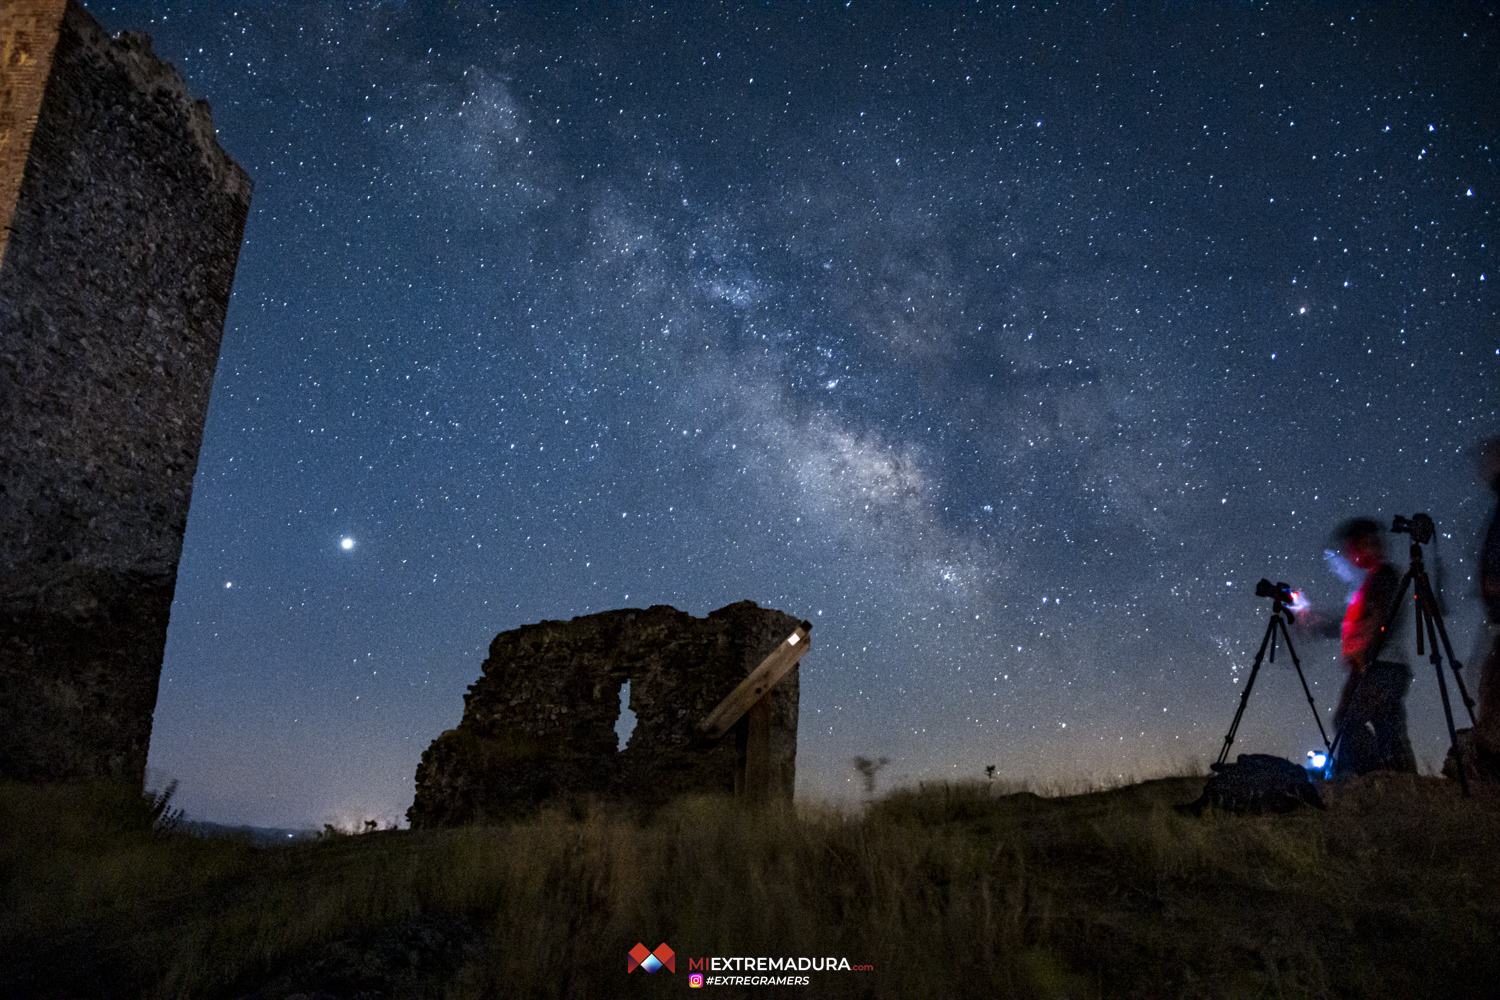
538 725
124 225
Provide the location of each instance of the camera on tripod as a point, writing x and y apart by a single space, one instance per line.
1420 528
1281 616
1280 591
1288 601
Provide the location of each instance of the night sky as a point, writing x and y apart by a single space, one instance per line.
1011 347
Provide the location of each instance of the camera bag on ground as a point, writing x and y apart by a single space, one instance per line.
1256 783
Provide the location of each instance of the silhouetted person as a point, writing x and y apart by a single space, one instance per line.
1371 715
1487 724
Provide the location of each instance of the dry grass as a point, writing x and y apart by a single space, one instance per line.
947 891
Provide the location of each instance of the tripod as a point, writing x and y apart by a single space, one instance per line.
1280 616
1429 626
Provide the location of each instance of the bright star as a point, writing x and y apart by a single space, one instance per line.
346 544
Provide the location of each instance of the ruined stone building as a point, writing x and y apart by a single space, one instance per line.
538 725
120 226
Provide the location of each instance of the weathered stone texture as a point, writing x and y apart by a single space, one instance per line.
538 725
124 233
28 36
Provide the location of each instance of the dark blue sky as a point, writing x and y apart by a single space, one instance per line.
1009 346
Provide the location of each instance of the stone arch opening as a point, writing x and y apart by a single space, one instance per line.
625 721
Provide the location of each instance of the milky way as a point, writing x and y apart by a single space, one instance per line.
1011 348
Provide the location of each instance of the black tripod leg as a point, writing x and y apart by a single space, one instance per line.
1453 664
1301 677
1245 695
1424 617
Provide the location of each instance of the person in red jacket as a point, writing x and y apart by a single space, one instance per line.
1487 723
1371 714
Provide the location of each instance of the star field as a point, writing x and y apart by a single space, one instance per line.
1010 347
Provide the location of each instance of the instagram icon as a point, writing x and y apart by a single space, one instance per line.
696 980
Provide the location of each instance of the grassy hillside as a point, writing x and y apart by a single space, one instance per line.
1393 891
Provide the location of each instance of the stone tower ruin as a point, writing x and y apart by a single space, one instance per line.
538 724
120 227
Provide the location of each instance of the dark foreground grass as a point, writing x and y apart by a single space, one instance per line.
1394 891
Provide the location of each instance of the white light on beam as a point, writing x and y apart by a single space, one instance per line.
793 639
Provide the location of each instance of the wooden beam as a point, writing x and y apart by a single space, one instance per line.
750 690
